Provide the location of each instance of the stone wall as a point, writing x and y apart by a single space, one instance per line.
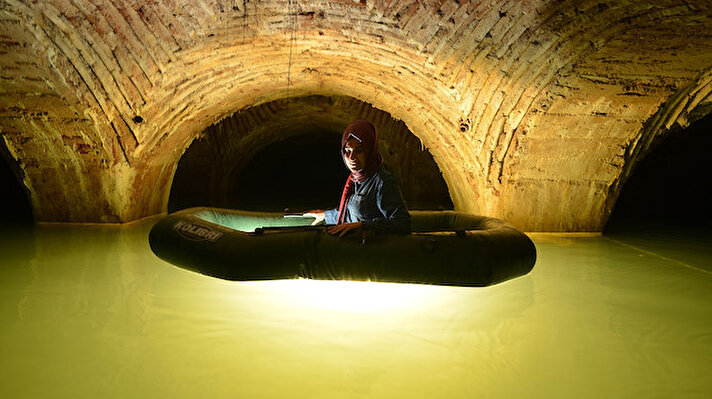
535 111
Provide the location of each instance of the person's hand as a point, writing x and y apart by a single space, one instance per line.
343 229
317 214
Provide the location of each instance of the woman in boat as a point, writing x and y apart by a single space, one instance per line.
371 198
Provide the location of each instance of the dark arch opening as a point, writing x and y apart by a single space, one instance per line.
15 198
301 172
284 155
669 190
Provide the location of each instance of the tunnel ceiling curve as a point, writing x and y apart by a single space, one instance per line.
305 133
528 107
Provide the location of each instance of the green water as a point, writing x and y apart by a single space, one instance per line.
89 312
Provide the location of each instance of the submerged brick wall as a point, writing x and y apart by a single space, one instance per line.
535 111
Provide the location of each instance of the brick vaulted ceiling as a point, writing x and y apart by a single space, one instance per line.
535 111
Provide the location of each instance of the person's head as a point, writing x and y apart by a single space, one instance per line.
359 148
354 155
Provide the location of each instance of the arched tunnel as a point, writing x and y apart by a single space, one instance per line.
15 198
583 124
535 113
669 188
285 155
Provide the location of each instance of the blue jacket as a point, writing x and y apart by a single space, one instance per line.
377 203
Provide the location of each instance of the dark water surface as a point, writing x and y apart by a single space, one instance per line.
90 312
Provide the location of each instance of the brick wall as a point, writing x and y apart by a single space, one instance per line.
535 111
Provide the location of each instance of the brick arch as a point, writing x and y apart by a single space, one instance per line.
520 103
400 101
214 162
684 107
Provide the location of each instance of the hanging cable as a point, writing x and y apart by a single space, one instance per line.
293 14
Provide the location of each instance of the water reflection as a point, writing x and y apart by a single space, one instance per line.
90 312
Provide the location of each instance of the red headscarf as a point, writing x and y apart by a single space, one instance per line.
364 132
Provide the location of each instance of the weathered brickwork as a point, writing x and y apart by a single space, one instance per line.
536 111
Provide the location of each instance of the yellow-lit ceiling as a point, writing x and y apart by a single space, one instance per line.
535 111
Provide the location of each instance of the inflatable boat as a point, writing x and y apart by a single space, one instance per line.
444 248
